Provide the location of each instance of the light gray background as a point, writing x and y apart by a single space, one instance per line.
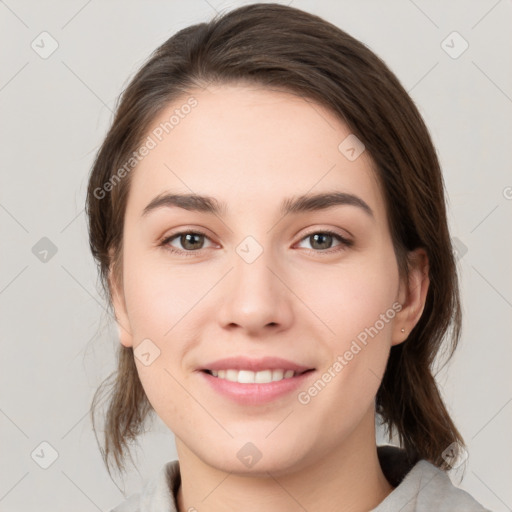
56 344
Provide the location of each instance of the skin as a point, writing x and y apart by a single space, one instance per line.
251 148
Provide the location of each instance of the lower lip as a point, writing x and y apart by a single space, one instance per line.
254 394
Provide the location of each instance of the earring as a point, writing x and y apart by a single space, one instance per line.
403 330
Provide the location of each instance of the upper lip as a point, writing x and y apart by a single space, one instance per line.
246 363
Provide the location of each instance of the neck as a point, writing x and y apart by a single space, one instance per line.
348 478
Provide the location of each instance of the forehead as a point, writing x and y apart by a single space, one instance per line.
249 144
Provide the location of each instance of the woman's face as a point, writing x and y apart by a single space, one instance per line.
313 282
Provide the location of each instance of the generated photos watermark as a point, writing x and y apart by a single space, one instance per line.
342 360
151 142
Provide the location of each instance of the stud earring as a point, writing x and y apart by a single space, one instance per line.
403 330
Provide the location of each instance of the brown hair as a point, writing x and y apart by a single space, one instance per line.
285 48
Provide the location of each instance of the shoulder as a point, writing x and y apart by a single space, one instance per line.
157 495
425 488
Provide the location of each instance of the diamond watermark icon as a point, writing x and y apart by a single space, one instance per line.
351 147
44 250
459 248
249 249
146 352
455 455
44 45
44 454
454 45
249 454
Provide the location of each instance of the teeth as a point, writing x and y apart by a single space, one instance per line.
249 377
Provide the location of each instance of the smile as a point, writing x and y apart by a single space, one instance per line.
250 377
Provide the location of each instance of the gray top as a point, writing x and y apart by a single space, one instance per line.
422 488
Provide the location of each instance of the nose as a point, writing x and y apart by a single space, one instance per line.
254 297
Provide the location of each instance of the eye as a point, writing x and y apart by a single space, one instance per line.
322 241
189 241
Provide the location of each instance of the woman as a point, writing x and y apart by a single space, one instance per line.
268 216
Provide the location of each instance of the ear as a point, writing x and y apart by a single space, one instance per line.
123 323
412 295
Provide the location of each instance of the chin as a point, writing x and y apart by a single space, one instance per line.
254 458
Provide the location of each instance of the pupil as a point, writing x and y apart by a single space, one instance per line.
325 240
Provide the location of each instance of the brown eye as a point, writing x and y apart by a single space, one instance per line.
186 241
324 241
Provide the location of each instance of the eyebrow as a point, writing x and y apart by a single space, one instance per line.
300 204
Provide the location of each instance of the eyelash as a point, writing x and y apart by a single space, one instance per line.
345 243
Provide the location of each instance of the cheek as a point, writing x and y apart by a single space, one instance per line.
158 296
160 306
353 297
161 303
357 305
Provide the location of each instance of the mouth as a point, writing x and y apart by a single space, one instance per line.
255 381
255 377
256 388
